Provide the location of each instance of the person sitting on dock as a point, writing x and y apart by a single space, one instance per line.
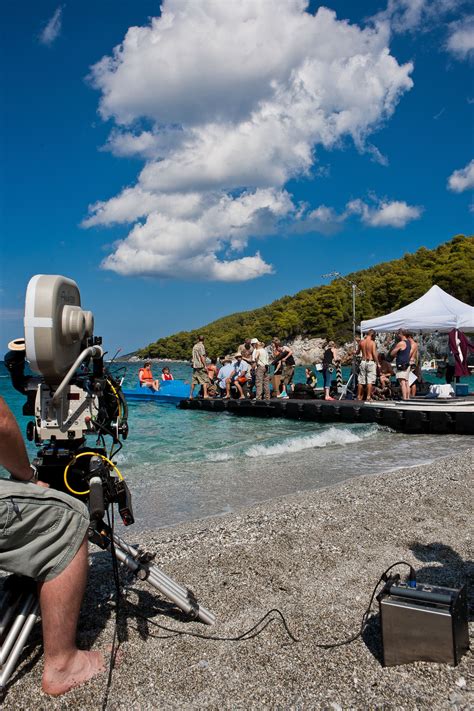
145 376
311 378
367 366
385 372
224 376
239 375
402 353
166 374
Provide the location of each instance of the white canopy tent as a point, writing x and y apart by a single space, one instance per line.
434 311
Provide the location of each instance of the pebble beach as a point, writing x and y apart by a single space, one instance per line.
316 557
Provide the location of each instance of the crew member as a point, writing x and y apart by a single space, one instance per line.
367 366
145 376
262 380
402 353
200 376
330 357
43 537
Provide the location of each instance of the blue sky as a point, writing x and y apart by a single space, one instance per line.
225 154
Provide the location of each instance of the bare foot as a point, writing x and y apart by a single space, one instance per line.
82 667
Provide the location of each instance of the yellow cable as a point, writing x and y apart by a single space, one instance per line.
82 454
116 397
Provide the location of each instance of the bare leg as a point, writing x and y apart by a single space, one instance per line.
369 391
360 391
65 666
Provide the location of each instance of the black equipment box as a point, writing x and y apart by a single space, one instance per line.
423 623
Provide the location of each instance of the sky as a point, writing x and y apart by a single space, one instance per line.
188 159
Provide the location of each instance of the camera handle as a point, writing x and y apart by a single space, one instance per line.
91 352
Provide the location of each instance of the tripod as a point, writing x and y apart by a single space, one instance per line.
19 606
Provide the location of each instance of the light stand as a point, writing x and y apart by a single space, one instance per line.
354 289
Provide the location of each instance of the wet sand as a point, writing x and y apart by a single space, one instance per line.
315 556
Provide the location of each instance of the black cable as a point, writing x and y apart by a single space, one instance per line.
365 616
118 597
243 637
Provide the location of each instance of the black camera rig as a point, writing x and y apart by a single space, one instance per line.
75 403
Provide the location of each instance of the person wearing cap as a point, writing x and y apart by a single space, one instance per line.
224 376
262 379
240 374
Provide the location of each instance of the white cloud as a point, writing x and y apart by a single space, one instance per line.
236 98
462 179
461 38
384 213
411 15
52 30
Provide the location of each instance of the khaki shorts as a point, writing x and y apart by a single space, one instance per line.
200 377
41 529
403 374
367 372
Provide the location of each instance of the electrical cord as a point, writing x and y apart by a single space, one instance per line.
365 617
251 633
118 599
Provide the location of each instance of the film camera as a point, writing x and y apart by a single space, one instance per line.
76 405
72 399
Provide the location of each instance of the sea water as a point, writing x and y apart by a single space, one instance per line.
183 465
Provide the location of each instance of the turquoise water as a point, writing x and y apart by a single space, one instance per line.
183 465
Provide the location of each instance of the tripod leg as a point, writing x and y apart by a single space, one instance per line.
181 597
17 636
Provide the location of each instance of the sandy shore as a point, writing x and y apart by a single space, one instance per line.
315 556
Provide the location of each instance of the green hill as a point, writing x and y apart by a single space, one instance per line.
327 310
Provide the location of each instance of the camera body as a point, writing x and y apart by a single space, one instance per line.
74 401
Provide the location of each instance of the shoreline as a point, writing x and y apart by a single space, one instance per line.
316 556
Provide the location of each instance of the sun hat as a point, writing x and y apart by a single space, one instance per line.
254 340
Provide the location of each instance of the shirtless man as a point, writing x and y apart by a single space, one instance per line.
368 366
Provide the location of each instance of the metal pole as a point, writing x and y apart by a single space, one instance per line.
161 582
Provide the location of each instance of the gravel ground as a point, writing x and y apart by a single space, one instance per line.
316 557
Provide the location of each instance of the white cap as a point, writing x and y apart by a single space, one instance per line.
254 340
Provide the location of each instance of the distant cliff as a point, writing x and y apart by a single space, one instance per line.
324 312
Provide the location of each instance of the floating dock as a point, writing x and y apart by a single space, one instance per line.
416 416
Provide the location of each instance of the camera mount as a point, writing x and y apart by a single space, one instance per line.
73 397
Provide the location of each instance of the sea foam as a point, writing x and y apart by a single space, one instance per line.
331 436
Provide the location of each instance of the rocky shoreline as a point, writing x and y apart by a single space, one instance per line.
316 557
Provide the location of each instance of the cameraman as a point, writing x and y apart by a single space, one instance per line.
43 536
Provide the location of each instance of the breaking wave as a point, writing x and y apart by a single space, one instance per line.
331 436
